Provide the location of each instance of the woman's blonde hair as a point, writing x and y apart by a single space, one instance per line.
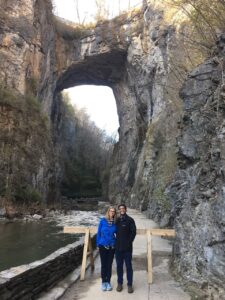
107 213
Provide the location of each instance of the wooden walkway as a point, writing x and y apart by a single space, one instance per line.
163 287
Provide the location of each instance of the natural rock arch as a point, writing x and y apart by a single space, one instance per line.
102 69
101 59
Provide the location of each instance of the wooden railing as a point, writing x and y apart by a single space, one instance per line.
88 251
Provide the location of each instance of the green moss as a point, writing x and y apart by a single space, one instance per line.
8 98
25 139
165 169
162 152
160 197
32 86
27 194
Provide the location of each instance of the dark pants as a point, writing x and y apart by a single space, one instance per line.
121 257
106 256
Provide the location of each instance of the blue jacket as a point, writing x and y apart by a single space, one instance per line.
106 235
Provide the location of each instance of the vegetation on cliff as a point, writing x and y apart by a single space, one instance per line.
24 142
199 23
85 154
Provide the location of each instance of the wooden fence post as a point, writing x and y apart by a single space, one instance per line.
90 253
149 255
84 260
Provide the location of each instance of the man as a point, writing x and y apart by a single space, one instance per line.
126 232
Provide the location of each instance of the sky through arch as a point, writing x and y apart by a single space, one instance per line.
100 104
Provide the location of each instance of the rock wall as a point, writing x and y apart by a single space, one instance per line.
27 48
29 281
149 108
197 191
26 79
26 153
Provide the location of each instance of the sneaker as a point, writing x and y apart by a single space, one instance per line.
119 287
130 289
103 287
108 286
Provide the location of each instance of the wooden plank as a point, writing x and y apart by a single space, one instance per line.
149 256
155 231
77 229
163 232
140 231
84 260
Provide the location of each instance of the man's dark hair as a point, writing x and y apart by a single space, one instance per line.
122 204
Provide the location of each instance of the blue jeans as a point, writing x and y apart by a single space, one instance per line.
106 256
121 257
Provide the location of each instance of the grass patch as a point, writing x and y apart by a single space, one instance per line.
27 194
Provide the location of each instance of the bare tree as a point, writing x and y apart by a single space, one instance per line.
102 12
76 2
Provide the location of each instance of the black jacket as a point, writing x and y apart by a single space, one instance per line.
126 232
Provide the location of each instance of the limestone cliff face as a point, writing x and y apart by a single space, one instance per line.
148 110
27 43
27 68
197 191
169 158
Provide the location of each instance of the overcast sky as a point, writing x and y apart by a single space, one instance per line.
87 8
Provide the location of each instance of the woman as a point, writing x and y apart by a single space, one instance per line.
106 240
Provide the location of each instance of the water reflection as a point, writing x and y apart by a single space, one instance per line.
24 242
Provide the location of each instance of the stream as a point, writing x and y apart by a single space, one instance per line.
25 241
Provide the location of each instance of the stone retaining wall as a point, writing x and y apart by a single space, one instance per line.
28 281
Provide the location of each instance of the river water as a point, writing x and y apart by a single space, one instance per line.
22 242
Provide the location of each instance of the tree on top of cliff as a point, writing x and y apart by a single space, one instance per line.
206 17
